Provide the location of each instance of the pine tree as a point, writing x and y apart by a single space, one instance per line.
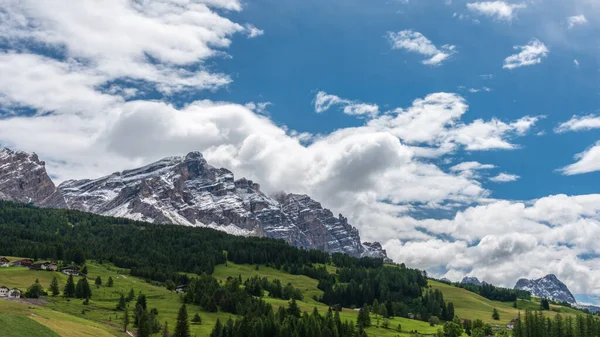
110 282
69 287
165 330
375 307
54 289
83 290
125 319
495 314
131 294
98 281
84 271
144 325
293 309
182 329
217 330
121 305
364 319
197 319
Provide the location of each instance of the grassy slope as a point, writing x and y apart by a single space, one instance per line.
72 318
472 306
14 325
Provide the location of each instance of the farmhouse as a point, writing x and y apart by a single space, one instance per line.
71 270
23 263
4 262
14 293
3 291
181 289
44 266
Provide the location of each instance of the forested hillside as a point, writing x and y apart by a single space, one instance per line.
172 255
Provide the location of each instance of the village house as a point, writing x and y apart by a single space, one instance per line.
35 266
181 289
23 263
71 270
3 291
44 266
4 262
14 293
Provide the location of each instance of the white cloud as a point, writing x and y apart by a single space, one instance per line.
579 123
530 54
252 31
476 90
471 166
576 20
161 42
416 42
503 241
499 10
324 101
576 63
505 178
587 161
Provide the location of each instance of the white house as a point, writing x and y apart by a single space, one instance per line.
14 293
3 291
4 262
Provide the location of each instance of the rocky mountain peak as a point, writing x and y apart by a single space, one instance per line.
186 190
23 178
549 287
471 280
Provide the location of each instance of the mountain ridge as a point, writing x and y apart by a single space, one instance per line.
186 190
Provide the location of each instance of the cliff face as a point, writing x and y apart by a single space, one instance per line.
188 191
23 178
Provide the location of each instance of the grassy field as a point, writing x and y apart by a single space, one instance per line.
71 318
472 306
14 325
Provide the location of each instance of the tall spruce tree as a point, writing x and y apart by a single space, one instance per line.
182 329
69 287
54 289
364 319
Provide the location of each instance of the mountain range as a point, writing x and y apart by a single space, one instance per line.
186 190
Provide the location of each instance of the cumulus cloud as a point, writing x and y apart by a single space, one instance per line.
324 101
416 42
579 123
505 178
528 55
157 41
576 20
503 241
498 10
587 161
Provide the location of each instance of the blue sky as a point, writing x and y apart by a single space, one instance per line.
340 47
446 130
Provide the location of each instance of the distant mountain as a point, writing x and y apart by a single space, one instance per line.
549 287
186 190
23 178
471 280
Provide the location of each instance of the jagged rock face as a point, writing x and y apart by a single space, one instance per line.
23 178
188 191
471 280
549 287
